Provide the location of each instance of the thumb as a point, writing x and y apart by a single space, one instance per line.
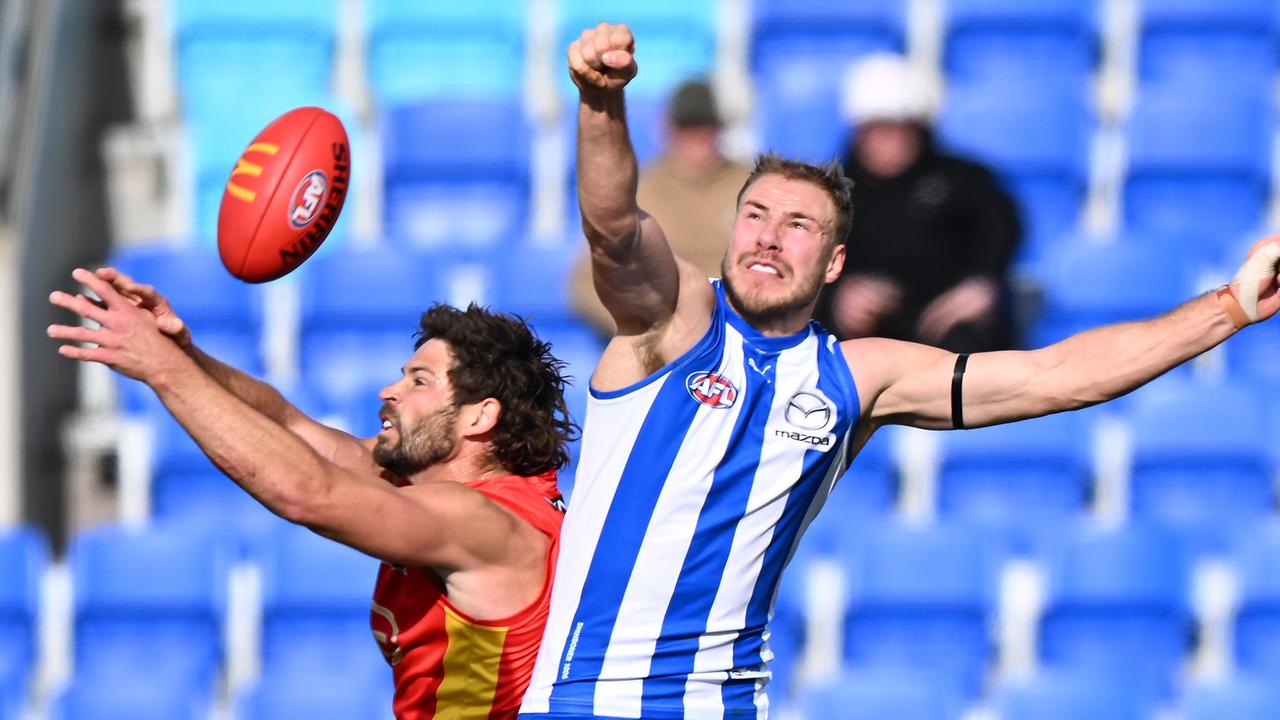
170 324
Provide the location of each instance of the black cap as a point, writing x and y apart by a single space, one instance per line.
693 104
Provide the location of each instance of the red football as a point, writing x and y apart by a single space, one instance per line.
284 194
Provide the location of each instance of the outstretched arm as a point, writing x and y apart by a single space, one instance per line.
442 525
910 384
332 444
637 276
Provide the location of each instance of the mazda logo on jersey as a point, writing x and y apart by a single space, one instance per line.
712 390
808 411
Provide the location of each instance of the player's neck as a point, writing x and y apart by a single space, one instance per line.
468 463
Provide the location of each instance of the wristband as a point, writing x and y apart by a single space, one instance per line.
1232 307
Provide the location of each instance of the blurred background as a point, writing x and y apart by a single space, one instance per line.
1119 562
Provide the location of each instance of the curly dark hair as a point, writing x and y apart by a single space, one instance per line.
496 355
828 176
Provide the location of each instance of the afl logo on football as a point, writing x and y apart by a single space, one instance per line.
308 199
808 411
712 390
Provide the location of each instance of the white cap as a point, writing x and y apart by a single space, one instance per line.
884 87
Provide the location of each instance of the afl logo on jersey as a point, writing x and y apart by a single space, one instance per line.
712 390
308 199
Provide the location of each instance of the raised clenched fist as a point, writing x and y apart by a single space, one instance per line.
602 59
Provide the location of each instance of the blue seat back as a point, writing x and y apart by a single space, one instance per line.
862 695
1018 478
1063 696
456 172
1241 698
24 555
1117 606
442 50
315 603
1051 41
919 599
799 54
149 603
248 49
1036 137
1090 283
1199 159
1207 39
1201 458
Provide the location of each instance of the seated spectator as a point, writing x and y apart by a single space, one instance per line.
933 234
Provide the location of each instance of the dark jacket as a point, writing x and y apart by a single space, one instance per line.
943 220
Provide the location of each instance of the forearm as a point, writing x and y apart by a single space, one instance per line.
607 170
257 394
269 462
1104 363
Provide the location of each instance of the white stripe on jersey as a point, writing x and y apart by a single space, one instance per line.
575 557
644 606
773 481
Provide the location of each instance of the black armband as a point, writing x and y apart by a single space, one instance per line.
957 388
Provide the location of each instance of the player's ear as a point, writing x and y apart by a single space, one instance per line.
478 418
835 265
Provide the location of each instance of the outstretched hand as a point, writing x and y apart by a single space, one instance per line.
602 60
148 298
128 337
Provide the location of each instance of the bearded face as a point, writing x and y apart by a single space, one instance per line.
766 304
407 446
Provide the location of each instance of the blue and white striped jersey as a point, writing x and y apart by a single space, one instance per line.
693 488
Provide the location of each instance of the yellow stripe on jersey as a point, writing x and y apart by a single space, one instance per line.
471 664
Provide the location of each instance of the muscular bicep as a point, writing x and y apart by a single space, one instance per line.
640 281
909 384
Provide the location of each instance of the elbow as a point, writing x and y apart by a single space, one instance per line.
303 500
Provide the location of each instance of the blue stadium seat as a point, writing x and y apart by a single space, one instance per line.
1238 698
441 50
1208 39
297 694
1200 160
186 487
675 39
1117 607
224 314
24 555
919 602
1058 696
218 134
1257 620
799 53
1049 41
360 311
868 488
246 49
1036 137
876 695
149 608
1087 284
1018 478
456 172
788 628
111 696
1202 459
315 610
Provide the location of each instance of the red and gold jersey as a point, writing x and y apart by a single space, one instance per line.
446 663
